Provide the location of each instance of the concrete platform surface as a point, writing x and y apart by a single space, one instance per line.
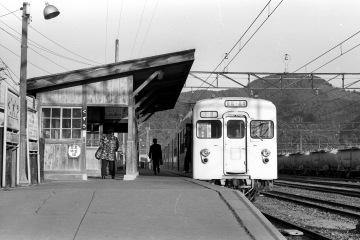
163 206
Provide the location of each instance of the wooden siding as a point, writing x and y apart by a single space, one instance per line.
112 92
108 92
56 158
71 95
93 166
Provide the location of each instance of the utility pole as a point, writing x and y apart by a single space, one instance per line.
23 89
123 134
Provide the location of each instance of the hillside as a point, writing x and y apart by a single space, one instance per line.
307 119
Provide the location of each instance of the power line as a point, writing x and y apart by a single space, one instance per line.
34 50
52 40
28 61
120 18
107 16
138 29
10 71
148 28
10 13
41 47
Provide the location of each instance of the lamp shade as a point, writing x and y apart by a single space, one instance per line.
50 11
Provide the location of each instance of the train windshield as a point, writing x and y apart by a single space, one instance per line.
262 129
235 129
208 129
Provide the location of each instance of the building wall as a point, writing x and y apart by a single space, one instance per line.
56 160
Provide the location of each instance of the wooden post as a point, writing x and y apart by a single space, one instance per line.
131 166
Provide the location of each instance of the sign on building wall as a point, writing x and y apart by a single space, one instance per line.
74 151
116 112
32 122
13 111
84 119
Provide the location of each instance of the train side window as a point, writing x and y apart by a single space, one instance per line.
208 129
235 129
262 129
182 150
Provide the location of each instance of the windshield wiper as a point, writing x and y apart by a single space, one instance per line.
257 127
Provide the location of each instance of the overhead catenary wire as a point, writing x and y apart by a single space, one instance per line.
342 54
245 43
253 34
322 104
321 55
231 49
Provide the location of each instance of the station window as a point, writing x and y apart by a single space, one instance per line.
262 129
93 135
61 123
208 129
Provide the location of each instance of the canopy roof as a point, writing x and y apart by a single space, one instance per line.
158 80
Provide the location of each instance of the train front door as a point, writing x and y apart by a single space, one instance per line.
234 144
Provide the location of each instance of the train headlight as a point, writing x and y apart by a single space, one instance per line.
204 152
265 152
266 160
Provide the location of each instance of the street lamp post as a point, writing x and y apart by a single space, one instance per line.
49 12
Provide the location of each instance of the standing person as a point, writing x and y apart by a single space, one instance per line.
188 148
155 155
110 145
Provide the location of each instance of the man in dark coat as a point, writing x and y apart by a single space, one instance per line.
155 155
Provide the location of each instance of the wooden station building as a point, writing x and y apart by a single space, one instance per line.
76 107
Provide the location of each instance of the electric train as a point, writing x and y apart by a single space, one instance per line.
233 143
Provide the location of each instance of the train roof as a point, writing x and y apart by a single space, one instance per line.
248 99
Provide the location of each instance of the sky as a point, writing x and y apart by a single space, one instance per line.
85 32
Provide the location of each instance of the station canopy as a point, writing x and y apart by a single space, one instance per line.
157 80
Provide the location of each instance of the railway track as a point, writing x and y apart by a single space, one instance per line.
307 232
329 206
353 185
320 188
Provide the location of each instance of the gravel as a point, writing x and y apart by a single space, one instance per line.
328 224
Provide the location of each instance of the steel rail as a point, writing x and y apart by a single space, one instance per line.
322 182
320 189
307 232
328 209
340 205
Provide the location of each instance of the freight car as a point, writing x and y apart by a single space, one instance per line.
343 163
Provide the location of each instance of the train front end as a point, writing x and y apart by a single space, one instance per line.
234 142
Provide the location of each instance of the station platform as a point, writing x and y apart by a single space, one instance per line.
164 206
